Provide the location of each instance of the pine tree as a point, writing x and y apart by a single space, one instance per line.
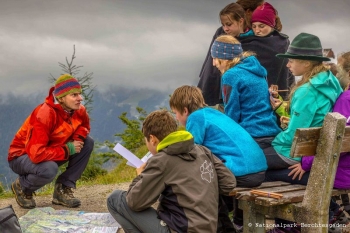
85 81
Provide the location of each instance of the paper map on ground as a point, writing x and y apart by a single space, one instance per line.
47 219
133 160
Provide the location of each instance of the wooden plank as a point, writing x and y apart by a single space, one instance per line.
246 195
263 185
288 197
319 188
336 192
305 141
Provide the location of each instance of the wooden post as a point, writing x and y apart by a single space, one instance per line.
253 221
314 210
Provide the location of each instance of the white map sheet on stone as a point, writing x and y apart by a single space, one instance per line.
47 219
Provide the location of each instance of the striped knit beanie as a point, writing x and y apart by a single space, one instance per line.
66 84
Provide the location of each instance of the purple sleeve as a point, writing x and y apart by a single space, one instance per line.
342 105
306 162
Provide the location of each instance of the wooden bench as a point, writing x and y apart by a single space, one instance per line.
308 205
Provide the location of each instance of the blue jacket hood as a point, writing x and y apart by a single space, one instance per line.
251 64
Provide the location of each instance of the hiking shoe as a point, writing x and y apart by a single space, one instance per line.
63 195
25 200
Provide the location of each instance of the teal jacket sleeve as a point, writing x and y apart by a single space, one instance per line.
303 109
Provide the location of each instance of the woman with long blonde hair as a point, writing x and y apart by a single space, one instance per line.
310 99
313 96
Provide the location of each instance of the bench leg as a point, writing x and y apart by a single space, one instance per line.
252 220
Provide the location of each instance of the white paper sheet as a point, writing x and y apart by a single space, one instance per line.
133 160
144 159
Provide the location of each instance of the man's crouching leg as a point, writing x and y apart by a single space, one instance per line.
63 193
133 221
31 178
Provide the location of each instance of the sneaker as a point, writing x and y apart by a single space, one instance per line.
25 200
340 218
237 228
63 195
334 229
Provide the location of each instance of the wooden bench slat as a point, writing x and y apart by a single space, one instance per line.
288 197
245 195
263 185
305 141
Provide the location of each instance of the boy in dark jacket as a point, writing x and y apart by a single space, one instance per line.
184 177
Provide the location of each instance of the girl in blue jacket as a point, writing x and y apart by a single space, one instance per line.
245 90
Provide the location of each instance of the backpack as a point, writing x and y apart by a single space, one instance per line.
9 221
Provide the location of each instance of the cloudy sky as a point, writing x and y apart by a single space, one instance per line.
157 44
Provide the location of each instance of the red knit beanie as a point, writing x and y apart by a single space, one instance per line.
265 14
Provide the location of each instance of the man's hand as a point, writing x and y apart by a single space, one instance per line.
140 169
78 145
296 171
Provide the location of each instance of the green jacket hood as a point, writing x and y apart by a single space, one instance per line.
326 81
179 143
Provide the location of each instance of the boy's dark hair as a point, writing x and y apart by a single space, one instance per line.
160 124
189 97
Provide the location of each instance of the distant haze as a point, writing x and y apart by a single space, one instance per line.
157 44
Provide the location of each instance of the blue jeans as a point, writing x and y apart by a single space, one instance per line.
145 221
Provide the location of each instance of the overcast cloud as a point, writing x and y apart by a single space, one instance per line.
158 44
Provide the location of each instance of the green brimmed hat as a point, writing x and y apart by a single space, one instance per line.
305 47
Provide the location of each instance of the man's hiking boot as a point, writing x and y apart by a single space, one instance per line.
63 195
25 200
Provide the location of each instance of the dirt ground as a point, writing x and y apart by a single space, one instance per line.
93 199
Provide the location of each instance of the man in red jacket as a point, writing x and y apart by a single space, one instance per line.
55 132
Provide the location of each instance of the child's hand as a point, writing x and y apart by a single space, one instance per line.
296 171
273 89
140 169
284 122
275 103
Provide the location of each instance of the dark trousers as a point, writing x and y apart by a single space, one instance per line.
34 176
282 175
146 221
249 181
273 160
